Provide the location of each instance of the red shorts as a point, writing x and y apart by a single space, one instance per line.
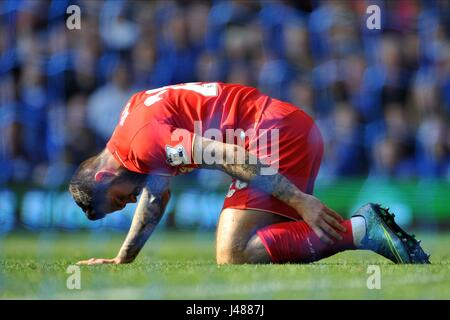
300 150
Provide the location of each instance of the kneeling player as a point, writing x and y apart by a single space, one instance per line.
272 149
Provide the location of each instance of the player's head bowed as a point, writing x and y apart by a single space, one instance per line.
99 187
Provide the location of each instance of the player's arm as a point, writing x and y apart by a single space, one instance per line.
148 213
324 221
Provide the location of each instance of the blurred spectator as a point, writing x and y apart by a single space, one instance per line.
106 103
344 144
300 93
386 157
433 153
80 138
117 31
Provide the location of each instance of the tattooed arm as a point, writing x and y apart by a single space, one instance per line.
324 221
149 212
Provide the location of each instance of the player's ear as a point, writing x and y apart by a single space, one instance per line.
103 175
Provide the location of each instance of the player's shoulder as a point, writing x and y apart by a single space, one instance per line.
138 97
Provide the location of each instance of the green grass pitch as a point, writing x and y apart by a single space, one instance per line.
181 265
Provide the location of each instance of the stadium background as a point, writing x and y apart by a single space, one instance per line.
380 97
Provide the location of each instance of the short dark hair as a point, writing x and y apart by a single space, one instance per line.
84 189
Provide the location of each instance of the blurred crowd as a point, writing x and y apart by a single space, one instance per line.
380 97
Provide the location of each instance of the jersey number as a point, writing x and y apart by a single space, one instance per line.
205 89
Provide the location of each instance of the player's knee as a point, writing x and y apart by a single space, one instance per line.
255 252
229 254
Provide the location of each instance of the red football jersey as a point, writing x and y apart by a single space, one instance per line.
147 138
157 127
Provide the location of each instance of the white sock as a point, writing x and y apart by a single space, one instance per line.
358 230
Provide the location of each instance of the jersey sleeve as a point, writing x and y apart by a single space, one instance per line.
160 148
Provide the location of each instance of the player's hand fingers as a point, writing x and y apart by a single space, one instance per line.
322 236
334 223
329 230
84 262
102 261
334 214
94 261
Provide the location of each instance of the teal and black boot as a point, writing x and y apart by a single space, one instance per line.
386 238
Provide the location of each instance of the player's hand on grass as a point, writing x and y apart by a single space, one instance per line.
325 222
94 261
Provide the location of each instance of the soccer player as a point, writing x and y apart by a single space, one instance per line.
271 148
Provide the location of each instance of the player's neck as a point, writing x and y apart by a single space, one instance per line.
110 162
